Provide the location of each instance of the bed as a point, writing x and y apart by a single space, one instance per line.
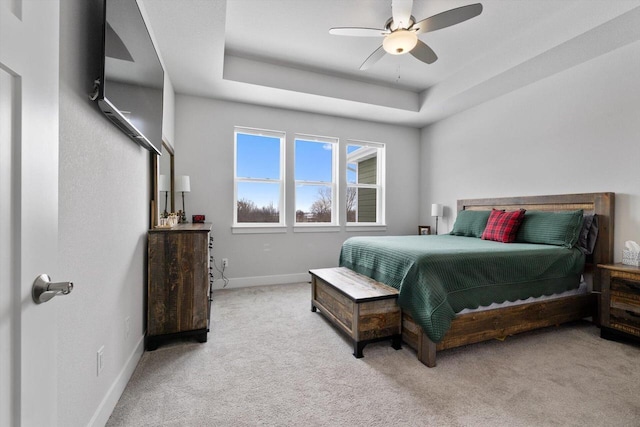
444 297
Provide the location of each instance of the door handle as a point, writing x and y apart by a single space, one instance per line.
43 289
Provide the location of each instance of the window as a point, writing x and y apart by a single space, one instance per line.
365 183
315 180
259 177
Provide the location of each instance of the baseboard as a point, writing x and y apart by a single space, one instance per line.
280 279
102 414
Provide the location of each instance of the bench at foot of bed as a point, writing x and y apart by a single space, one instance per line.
366 310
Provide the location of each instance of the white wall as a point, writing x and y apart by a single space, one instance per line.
104 215
575 132
204 135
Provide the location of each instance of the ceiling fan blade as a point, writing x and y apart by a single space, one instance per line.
424 53
358 32
448 18
401 13
373 58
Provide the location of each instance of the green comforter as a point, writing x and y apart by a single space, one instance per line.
438 276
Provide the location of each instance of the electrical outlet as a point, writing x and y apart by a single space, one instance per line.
225 262
127 327
100 360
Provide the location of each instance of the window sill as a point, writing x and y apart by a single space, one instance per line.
315 228
366 227
258 229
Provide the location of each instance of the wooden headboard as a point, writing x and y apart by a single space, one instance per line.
602 204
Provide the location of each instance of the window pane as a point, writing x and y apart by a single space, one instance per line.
258 156
313 203
313 161
352 173
368 171
258 202
362 204
367 204
352 203
352 166
362 165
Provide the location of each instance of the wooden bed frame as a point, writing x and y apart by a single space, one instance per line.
501 322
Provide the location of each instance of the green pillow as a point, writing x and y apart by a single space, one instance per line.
550 228
470 223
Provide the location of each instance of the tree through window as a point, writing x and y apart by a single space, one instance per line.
259 177
315 179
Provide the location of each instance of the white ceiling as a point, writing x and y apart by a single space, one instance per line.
279 52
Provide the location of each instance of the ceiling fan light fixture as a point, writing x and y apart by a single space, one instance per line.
400 42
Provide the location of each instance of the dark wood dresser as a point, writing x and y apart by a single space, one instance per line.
620 305
178 289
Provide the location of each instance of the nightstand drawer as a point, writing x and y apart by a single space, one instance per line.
626 302
621 285
625 320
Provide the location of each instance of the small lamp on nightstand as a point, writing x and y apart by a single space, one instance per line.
437 210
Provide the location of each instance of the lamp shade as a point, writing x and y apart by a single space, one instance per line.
164 184
437 209
183 184
399 42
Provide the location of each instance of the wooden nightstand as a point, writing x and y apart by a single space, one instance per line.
620 303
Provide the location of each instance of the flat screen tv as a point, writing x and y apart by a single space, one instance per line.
131 85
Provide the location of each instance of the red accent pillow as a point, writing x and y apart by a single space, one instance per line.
502 226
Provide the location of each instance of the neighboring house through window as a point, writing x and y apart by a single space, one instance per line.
259 178
365 182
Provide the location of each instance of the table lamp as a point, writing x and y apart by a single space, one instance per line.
183 185
437 210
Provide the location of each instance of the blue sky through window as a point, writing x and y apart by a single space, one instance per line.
259 157
313 162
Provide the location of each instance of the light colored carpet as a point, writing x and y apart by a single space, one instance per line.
270 361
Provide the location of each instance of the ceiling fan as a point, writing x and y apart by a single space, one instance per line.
401 31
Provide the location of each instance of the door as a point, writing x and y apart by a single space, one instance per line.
29 47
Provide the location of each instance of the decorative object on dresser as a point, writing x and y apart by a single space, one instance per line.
620 302
437 210
179 285
364 309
